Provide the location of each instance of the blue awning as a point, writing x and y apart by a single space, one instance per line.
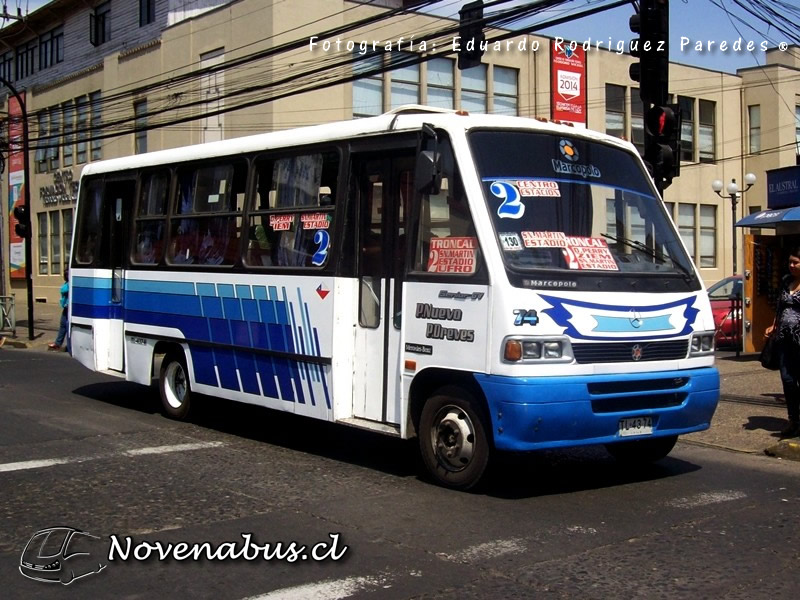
770 218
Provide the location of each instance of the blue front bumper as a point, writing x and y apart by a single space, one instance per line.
531 413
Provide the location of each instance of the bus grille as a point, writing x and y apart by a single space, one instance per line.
609 352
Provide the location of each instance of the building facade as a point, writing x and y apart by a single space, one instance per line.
114 78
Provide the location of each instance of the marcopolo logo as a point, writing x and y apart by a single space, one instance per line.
570 167
64 554
568 150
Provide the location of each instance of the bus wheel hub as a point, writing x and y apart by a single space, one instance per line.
453 437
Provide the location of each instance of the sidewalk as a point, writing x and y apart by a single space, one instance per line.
749 416
46 318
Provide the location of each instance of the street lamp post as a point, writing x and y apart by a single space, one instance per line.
732 191
26 198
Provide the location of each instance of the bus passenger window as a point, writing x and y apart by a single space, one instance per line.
291 221
210 201
90 224
150 225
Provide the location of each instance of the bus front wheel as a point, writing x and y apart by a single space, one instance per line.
453 438
174 386
642 452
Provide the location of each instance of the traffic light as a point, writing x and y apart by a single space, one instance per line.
652 50
662 126
470 30
23 226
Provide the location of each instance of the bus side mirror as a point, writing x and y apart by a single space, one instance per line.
428 172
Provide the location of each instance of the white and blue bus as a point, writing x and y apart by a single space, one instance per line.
484 283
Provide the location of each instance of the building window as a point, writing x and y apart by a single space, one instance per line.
367 92
708 235
66 223
706 141
687 128
686 226
55 242
95 109
25 56
41 142
504 80
473 89
68 139
82 108
140 136
441 84
100 24
637 121
53 163
212 86
670 207
147 12
797 130
7 66
404 83
51 48
615 110
754 120
44 244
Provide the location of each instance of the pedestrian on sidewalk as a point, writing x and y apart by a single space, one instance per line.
787 329
64 303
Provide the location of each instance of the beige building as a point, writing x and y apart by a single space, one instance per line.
113 78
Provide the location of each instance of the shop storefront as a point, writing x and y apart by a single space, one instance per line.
770 237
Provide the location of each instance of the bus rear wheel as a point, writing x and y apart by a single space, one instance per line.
453 439
640 452
176 393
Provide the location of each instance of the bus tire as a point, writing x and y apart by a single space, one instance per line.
640 452
453 438
173 383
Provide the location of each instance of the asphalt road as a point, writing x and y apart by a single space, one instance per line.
84 450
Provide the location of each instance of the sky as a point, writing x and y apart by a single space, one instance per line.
692 20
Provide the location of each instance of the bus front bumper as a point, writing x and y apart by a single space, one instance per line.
532 413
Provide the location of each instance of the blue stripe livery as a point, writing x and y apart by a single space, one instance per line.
243 316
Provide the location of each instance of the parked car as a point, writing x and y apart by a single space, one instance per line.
724 295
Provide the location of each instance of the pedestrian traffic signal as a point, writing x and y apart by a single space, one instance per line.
23 226
470 32
662 125
652 50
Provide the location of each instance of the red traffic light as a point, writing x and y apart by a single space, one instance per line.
660 121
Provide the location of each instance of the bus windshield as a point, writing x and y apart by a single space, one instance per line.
563 203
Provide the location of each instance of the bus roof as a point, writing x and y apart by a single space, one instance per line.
404 118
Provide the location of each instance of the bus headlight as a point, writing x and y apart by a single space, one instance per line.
519 349
702 343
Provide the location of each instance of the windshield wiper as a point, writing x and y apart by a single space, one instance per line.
637 245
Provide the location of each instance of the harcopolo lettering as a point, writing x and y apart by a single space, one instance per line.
559 166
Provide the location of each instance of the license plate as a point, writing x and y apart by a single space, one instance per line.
635 426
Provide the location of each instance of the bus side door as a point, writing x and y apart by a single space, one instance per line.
119 199
383 186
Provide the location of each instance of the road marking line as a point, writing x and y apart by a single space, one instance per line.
50 462
707 498
332 589
173 448
487 550
33 464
